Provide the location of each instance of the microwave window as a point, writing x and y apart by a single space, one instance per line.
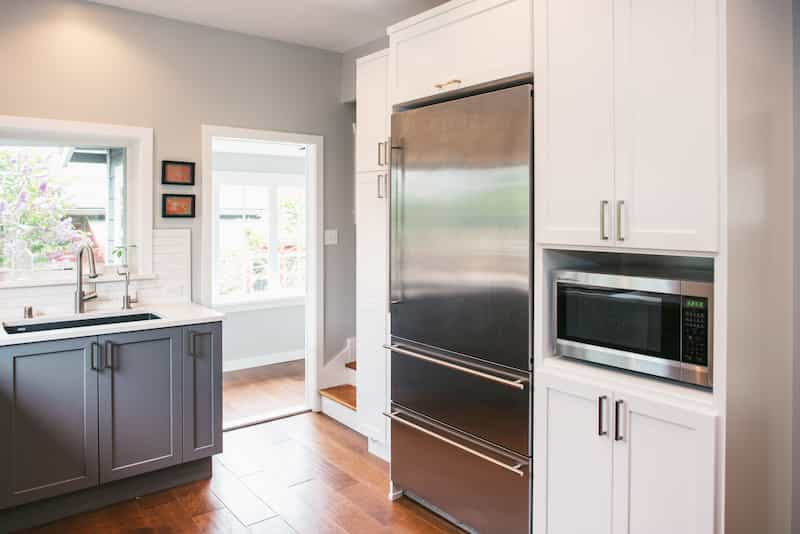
632 321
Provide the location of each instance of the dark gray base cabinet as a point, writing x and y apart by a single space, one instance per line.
82 412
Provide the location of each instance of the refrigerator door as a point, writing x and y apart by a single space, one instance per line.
460 225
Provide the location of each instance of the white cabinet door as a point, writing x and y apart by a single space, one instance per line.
667 123
371 301
451 47
372 112
574 103
663 468
572 457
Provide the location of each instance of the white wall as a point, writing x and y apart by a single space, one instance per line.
760 286
73 60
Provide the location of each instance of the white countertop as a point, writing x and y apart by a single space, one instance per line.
170 315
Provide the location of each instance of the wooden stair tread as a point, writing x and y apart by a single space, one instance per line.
344 395
351 365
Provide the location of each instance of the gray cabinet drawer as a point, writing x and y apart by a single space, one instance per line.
48 420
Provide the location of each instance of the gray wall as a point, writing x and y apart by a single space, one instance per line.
249 334
349 65
71 60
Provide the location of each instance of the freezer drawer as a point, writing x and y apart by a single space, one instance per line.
487 402
479 487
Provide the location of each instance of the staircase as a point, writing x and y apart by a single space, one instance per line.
339 401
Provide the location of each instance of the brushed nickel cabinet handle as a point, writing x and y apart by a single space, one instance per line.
380 153
617 423
601 401
445 84
513 468
516 384
109 355
603 210
379 182
620 210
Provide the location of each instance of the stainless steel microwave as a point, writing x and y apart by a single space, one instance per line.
655 326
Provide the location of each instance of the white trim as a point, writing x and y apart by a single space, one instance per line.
139 171
261 304
347 416
238 364
315 260
105 278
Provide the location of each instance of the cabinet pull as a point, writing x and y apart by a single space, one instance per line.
193 342
379 182
516 384
601 431
387 151
380 152
620 210
445 84
617 423
603 209
109 355
96 363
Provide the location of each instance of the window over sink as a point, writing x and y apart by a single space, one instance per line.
64 184
54 199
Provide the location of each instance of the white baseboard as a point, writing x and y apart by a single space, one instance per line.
343 414
238 364
378 449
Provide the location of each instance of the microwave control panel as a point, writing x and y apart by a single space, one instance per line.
695 330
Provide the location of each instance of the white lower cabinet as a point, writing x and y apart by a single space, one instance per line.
607 461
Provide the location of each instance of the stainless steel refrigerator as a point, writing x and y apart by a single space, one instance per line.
460 248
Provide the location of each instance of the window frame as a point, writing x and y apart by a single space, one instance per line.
138 143
273 181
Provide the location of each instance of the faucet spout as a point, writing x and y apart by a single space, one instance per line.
80 296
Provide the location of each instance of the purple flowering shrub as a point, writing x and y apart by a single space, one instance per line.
33 210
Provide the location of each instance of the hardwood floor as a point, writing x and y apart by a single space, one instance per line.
303 474
252 394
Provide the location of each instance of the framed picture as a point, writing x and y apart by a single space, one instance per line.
177 172
173 205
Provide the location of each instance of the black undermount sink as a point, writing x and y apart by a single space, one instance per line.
24 328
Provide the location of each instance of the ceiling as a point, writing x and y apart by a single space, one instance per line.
337 25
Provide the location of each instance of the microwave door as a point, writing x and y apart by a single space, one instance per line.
634 322
460 226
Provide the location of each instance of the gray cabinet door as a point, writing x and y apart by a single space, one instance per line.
140 403
48 420
202 391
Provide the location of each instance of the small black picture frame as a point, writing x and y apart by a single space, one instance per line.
177 172
181 207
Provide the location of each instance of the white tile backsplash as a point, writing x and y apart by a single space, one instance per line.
172 253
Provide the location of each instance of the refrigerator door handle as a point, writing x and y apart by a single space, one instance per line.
516 468
517 384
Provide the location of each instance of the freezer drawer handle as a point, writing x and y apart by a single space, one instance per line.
518 384
513 468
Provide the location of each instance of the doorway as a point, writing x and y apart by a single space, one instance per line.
262 267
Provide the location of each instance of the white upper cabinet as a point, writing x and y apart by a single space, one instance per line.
458 44
668 123
611 462
627 112
372 112
573 121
